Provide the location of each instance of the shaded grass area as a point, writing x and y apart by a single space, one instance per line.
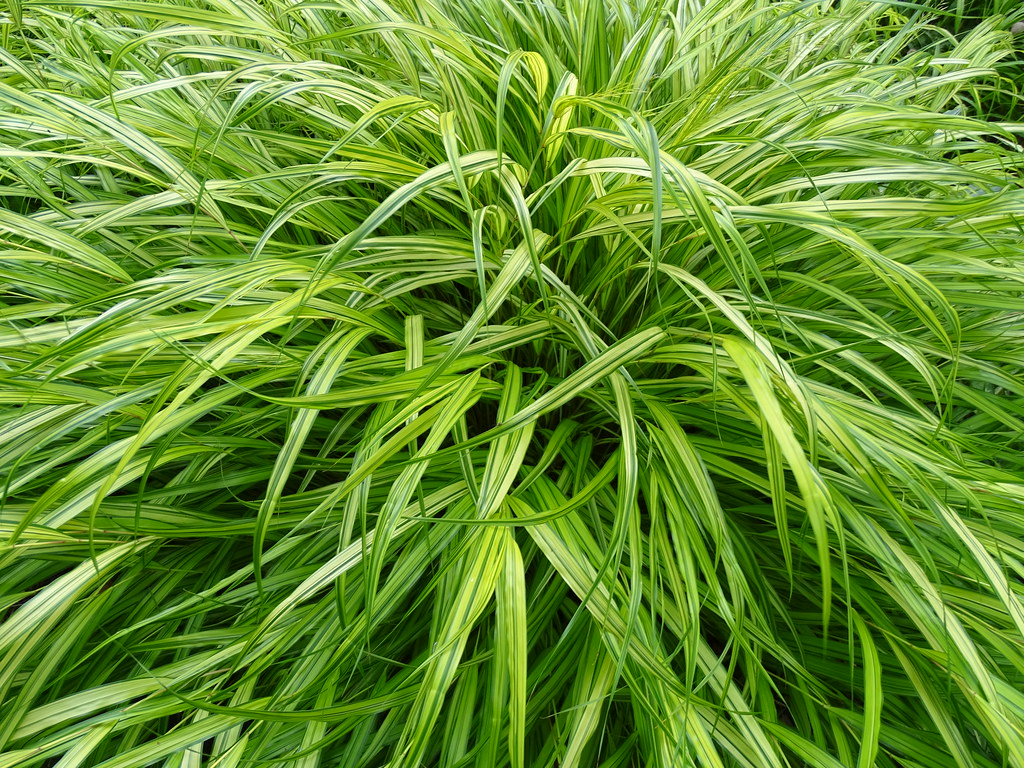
509 384
1002 99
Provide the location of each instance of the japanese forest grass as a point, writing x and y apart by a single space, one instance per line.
477 383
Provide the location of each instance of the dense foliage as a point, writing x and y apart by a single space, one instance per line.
510 383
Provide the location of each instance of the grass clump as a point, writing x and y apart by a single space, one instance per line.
469 383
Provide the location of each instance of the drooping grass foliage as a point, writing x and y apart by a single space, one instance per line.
500 383
1003 101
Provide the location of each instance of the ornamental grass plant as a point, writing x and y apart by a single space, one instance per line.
485 383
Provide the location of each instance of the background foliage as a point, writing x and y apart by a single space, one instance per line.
495 383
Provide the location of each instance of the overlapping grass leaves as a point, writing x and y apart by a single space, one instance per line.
495 383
